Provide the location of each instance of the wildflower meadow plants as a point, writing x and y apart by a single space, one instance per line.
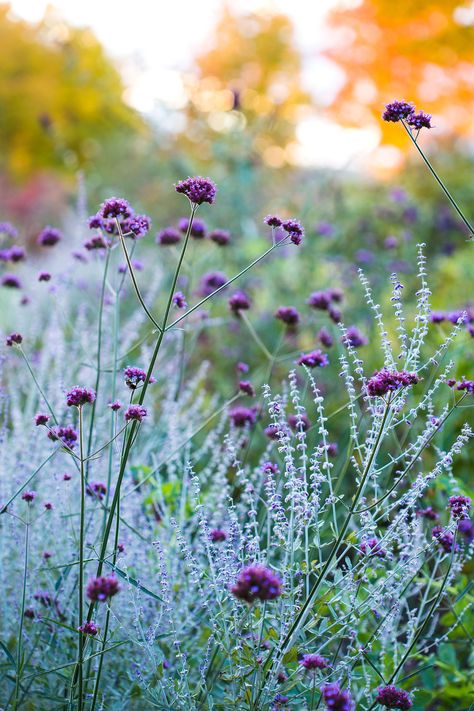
166 547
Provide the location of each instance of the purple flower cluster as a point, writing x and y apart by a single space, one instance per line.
257 582
16 338
463 384
96 489
399 110
353 337
241 416
288 314
48 237
14 254
460 506
335 698
292 227
103 588
393 698
134 376
77 396
198 228
217 535
314 661
179 300
239 302
168 236
220 237
112 208
67 435
6 228
89 628
371 546
96 242
212 281
246 387
385 381
445 538
197 190
135 412
11 281
315 359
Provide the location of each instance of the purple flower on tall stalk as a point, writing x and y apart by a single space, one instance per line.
246 387
466 529
168 236
95 222
102 589
139 225
256 582
393 698
41 419
135 412
273 221
335 698
89 628
28 496
467 385
14 338
197 189
67 435
325 337
198 228
116 405
220 237
460 506
11 281
313 662
211 281
115 208
419 120
77 396
48 237
239 302
354 338
134 376
6 228
96 242
315 359
371 546
385 381
241 416
96 489
44 276
319 300
295 230
445 538
397 110
179 300
217 535
428 513
288 314
299 422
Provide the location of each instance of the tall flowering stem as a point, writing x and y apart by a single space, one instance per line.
80 653
19 657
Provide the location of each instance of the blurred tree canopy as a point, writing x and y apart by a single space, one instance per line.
60 96
248 78
418 51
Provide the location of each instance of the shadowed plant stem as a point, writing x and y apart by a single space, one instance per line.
19 662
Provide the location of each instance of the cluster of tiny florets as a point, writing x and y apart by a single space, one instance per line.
257 582
197 190
135 412
315 359
399 110
393 698
134 376
314 661
335 698
460 506
102 588
385 381
77 396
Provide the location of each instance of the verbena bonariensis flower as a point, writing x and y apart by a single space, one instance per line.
115 405
428 513
257 582
246 387
314 661
397 110
103 588
43 597
371 546
89 628
168 236
466 529
49 236
220 237
134 376
96 489
419 120
14 338
467 385
44 276
197 189
28 496
273 221
198 228
211 281
288 314
319 300
136 264
385 381
354 337
67 435
11 281
139 225
295 230
96 242
77 396
95 222
325 337
239 302
315 359
6 228
241 416
335 698
299 422
460 506
41 419
115 208
445 538
135 412
179 300
217 535
393 698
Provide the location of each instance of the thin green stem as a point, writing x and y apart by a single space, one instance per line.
80 653
19 663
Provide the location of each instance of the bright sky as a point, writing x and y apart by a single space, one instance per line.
154 41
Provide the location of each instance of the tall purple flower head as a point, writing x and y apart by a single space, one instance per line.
385 381
96 489
299 422
273 221
217 535
197 190
397 110
335 698
179 300
134 376
139 225
444 538
14 338
95 222
11 281
295 230
256 582
239 302
135 412
115 208
325 337
241 416
41 419
44 276
16 253
460 506
67 435
97 242
211 281
6 228
466 385
428 513
102 589
48 237
220 237
315 359
168 236
28 496
371 546
354 337
89 628
319 300
115 405
246 387
76 397
288 314
419 120
313 662
198 228
466 529
393 698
